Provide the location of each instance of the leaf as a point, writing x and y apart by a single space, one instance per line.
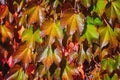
3 11
46 57
52 29
74 22
112 11
108 64
31 37
86 3
117 58
85 55
115 77
41 70
23 54
57 56
17 73
35 14
67 73
5 33
19 6
94 20
107 35
99 8
91 33
106 77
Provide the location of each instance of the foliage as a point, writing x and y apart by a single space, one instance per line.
59 40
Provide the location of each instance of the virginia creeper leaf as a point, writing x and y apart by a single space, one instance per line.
17 73
31 37
99 8
46 57
91 33
86 3
74 22
113 11
23 54
52 29
85 55
3 11
107 35
5 33
108 64
35 14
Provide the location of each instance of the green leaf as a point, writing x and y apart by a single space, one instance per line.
91 33
108 64
106 77
31 37
117 58
99 8
94 20
113 11
115 77
107 35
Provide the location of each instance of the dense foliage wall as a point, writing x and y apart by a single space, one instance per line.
59 39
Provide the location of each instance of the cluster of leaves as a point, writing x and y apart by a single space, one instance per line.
59 40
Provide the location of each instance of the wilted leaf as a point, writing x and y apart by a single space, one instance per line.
5 33
52 29
17 73
112 11
107 35
74 22
108 64
99 8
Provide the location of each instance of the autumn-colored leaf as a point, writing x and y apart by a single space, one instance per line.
86 3
107 36
3 11
112 11
53 30
85 55
17 73
35 14
74 22
24 54
5 32
47 57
